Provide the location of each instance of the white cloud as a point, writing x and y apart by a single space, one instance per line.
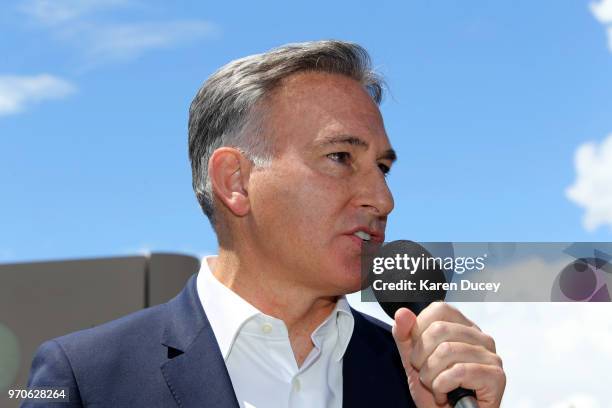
17 92
592 188
602 11
51 12
100 39
555 354
127 41
577 401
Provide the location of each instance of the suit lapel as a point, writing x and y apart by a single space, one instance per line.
356 377
371 370
195 371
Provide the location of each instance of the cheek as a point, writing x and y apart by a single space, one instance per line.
326 215
323 213
300 199
302 223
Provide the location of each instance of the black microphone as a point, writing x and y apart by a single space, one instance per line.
460 397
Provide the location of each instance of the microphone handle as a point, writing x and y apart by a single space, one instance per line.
462 398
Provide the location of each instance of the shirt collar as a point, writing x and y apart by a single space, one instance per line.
226 311
343 319
228 314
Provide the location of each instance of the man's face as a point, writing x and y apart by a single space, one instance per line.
326 181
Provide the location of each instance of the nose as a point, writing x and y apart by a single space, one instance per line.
373 192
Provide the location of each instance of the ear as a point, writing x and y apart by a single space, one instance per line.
229 173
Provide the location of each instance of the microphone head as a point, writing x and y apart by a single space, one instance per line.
411 263
391 307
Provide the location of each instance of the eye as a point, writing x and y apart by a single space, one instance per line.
384 168
340 157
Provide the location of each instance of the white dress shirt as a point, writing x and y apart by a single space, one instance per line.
258 354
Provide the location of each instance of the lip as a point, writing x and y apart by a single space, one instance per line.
376 236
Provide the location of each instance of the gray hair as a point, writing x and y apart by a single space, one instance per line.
226 111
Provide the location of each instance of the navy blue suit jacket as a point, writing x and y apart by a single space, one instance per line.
167 356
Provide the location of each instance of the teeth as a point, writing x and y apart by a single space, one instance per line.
363 235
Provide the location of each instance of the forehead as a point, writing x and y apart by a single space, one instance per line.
310 106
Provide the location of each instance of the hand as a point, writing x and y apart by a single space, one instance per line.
442 350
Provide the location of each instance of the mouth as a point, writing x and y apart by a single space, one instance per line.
363 235
367 235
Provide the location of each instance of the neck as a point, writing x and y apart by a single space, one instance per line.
260 284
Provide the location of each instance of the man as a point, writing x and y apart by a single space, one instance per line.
289 155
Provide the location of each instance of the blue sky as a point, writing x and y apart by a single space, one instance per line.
488 105
499 111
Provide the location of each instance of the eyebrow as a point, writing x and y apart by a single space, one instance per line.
355 141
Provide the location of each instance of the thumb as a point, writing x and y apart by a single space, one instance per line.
405 320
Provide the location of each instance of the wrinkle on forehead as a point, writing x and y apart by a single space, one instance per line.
316 104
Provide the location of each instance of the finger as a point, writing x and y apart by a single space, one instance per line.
440 398
488 381
439 311
405 320
448 354
413 379
440 332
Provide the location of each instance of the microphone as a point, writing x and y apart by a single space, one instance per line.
459 397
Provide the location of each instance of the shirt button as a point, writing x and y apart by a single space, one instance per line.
296 384
266 328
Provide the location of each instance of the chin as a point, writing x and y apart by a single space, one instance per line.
347 278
